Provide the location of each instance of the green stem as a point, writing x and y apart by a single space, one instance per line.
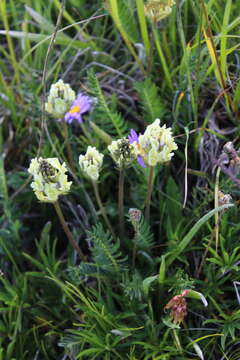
216 205
177 341
120 202
134 253
149 193
67 231
101 207
151 55
68 145
87 133
161 56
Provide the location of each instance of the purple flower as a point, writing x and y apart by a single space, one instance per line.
133 137
140 161
80 105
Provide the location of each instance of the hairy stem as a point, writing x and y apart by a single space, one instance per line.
120 202
149 193
67 231
101 207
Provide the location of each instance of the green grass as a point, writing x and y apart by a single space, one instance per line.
111 305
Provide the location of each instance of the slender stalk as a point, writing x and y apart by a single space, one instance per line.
101 207
177 341
161 56
143 25
120 202
87 133
149 193
134 253
67 231
151 55
68 145
216 205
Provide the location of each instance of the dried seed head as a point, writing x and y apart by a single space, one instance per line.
178 306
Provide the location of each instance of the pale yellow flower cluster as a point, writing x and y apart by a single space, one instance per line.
60 99
155 146
91 163
122 152
49 179
157 10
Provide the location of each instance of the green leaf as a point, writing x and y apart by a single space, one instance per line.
106 252
147 283
162 270
61 40
111 120
187 239
173 203
150 100
197 295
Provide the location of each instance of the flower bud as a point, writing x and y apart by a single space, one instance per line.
91 163
134 217
49 179
122 152
60 99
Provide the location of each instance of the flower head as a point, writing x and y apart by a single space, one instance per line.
157 10
60 98
224 199
80 105
91 163
178 306
122 152
135 217
155 145
49 179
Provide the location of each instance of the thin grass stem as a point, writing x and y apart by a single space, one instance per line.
162 57
216 205
15 65
143 25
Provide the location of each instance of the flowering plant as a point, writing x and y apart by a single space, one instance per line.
91 163
122 152
49 179
79 106
59 99
155 145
